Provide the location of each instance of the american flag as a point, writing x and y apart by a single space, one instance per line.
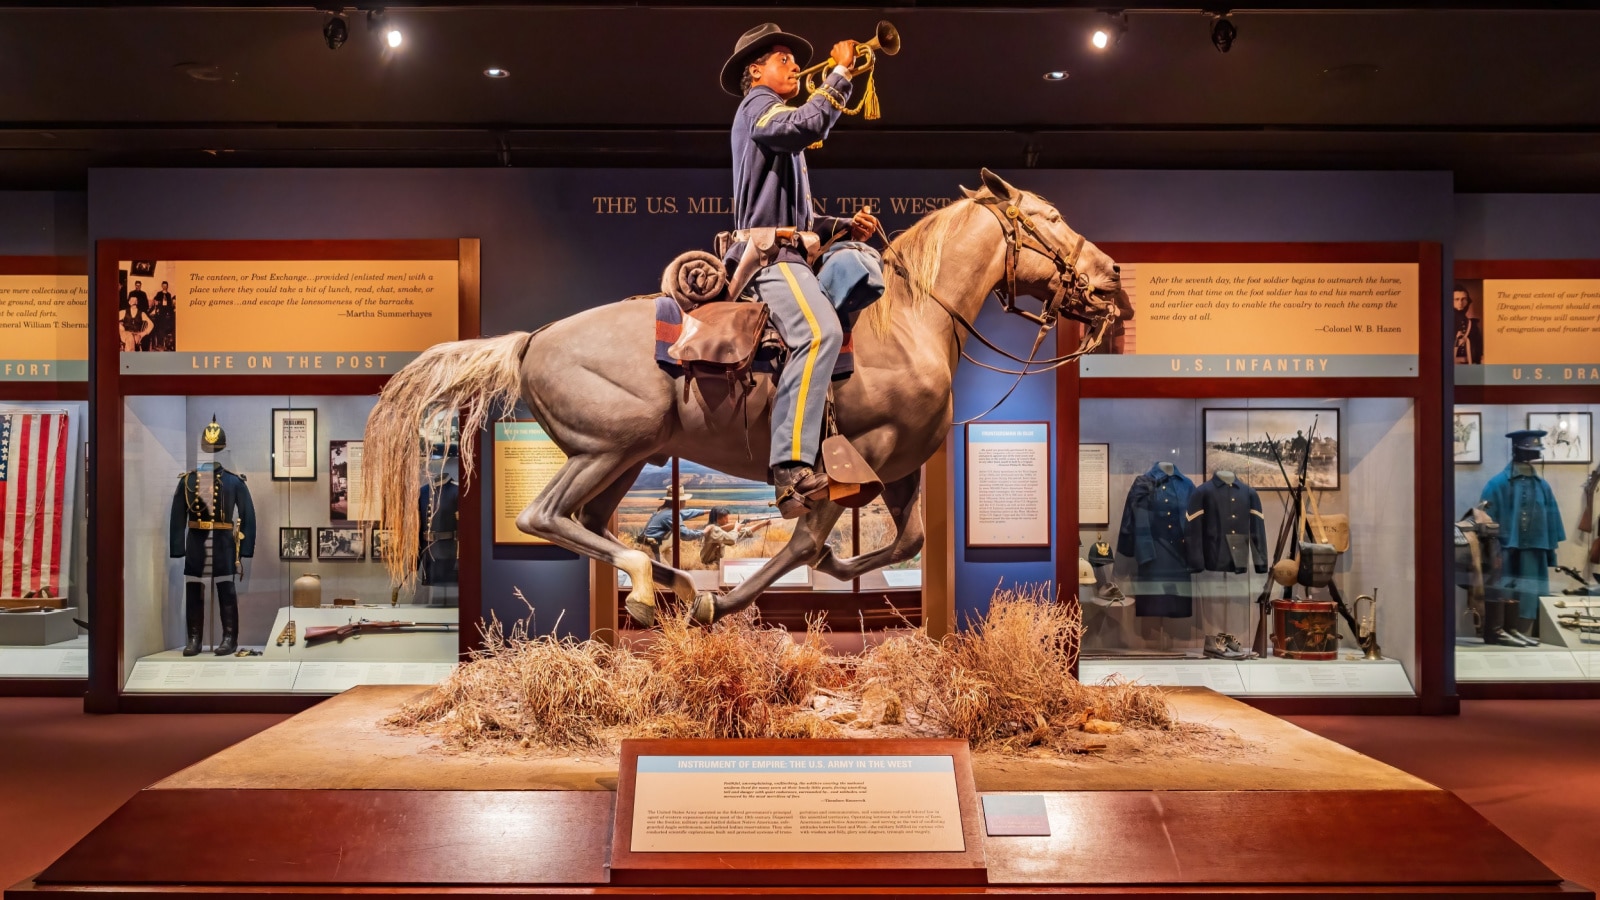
33 478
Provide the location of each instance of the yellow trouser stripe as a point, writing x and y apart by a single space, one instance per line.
811 360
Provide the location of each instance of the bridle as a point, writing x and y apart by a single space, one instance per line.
1020 233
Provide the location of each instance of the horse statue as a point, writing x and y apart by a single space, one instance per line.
593 382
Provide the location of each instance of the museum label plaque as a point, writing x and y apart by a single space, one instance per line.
1008 484
1266 320
44 327
1528 331
525 459
283 317
826 810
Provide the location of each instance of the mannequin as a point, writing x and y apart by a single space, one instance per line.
213 529
1152 533
1530 530
437 563
1226 527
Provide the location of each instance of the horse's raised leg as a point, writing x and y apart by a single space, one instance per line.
551 517
596 516
804 548
901 499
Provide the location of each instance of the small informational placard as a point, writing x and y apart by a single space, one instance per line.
1535 331
525 460
735 571
1008 484
1094 485
1265 320
282 317
44 328
1015 814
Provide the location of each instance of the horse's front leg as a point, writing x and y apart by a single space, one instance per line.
901 499
804 549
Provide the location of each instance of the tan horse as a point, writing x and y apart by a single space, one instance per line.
592 381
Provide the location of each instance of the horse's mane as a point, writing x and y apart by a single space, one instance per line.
920 249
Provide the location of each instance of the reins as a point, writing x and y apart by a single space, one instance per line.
1013 222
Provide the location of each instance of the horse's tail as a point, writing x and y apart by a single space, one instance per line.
477 378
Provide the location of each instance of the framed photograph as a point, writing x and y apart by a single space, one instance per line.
1568 436
294 441
380 539
341 543
1467 431
1008 484
1249 442
294 543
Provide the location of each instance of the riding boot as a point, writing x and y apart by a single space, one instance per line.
1494 620
194 616
228 610
798 487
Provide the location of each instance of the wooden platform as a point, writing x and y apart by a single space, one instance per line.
328 804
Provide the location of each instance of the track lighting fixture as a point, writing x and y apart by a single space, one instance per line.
336 31
1109 30
1223 33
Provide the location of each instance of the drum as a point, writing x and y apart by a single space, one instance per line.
1305 629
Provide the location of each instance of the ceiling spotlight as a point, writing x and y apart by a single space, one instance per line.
1223 33
1109 31
393 37
496 72
336 32
1057 75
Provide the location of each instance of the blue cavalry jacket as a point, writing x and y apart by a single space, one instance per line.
1225 524
1526 510
770 186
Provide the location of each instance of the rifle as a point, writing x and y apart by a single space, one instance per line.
1286 533
359 627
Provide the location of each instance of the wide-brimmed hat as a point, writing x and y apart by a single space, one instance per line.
683 498
755 42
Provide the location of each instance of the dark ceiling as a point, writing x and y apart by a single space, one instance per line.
1507 99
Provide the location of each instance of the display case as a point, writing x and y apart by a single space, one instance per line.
1259 455
248 571
1525 600
44 643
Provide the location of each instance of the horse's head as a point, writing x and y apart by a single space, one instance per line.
1047 260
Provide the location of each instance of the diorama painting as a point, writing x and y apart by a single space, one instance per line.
1243 441
1467 434
1568 436
703 490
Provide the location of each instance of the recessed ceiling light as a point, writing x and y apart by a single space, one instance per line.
496 72
202 72
1057 75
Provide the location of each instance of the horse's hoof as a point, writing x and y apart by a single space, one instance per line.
642 613
705 609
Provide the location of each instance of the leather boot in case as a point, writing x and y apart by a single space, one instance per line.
228 610
194 616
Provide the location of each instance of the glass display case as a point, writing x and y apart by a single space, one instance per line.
43 616
254 559
1526 600
1257 547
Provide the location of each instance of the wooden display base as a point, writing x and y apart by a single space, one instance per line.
269 818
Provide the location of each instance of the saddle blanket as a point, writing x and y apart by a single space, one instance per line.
669 326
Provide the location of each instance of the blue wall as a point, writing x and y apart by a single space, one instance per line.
1527 226
43 223
547 254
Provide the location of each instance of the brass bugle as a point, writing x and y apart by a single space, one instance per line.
886 41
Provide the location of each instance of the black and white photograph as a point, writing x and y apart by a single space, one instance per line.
1249 443
147 318
294 543
1467 436
339 481
1568 436
341 543
380 539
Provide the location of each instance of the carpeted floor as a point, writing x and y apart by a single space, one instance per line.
1531 767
